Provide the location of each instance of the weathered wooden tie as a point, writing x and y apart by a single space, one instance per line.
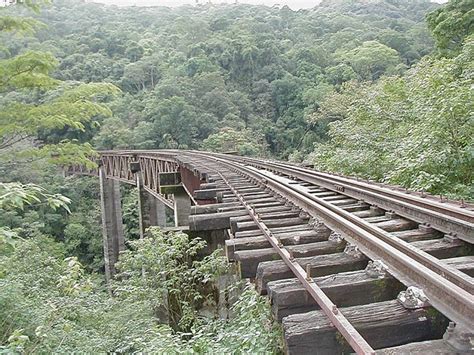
258 233
265 215
431 347
344 289
320 265
382 324
248 260
273 223
462 263
286 238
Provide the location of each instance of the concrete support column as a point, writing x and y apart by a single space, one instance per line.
112 225
143 206
182 208
151 211
157 212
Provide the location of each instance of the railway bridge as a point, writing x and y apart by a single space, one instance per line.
349 265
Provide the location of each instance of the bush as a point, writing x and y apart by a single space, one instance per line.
49 303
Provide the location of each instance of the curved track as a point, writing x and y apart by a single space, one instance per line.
449 290
342 205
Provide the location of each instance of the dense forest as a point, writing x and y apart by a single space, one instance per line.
377 89
193 75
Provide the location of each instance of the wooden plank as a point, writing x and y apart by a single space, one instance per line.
371 212
287 238
323 193
238 205
355 207
258 233
264 215
419 234
273 223
396 225
431 347
382 324
443 248
320 266
222 220
255 191
212 221
262 195
376 219
344 289
334 198
249 259
212 208
462 263
344 202
207 194
259 200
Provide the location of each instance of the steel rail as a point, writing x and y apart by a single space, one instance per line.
441 207
408 264
450 273
353 337
453 301
448 219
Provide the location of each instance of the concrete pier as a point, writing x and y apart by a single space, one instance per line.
151 211
112 225
182 208
143 206
157 212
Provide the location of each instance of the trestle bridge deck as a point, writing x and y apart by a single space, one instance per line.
348 264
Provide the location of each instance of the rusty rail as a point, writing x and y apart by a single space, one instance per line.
452 300
356 341
444 217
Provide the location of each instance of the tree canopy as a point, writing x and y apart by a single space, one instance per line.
378 89
451 24
189 72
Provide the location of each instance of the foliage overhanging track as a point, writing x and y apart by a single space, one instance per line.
449 290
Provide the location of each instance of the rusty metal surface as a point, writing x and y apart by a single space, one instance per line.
450 299
444 217
120 165
356 341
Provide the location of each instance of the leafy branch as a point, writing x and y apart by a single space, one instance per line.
14 195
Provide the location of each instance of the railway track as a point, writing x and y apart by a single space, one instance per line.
348 265
347 234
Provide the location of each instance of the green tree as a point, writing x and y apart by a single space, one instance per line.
244 142
49 303
141 74
372 59
22 120
174 117
167 273
15 196
416 131
245 66
451 24
113 134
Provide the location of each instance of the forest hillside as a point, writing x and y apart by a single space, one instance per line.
374 89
